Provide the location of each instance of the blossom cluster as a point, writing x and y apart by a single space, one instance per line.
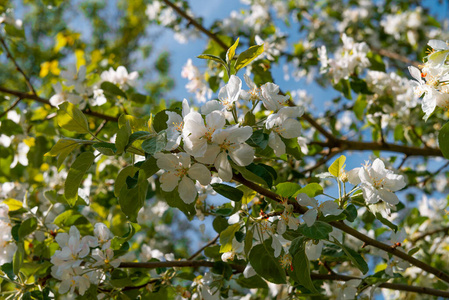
7 245
432 79
82 261
207 138
77 91
348 60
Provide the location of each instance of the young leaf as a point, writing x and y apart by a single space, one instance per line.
112 90
319 230
122 139
312 189
301 268
213 57
132 200
76 173
28 226
121 178
231 51
71 118
226 237
337 166
246 57
355 258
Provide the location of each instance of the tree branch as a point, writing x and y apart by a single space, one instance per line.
432 232
197 25
349 230
314 276
18 68
204 247
14 104
34 97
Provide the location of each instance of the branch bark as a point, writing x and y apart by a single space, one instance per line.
314 276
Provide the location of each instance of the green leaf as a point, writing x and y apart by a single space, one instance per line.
139 98
318 231
359 86
160 121
71 118
226 237
344 87
220 223
262 173
108 149
265 264
111 89
173 200
231 51
258 139
351 213
28 226
301 266
138 135
66 145
246 57
312 189
121 178
386 222
376 61
288 189
150 167
214 58
355 258
18 258
54 197
122 139
443 140
155 144
117 242
359 107
132 200
337 166
228 191
73 218
76 173
253 282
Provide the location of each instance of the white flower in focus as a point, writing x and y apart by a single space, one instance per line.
229 141
230 92
283 124
326 208
271 98
237 248
103 234
180 173
175 125
197 135
438 57
377 183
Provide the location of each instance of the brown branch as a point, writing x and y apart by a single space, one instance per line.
204 247
314 276
320 128
18 68
45 101
432 232
349 230
361 146
197 25
322 161
395 56
14 104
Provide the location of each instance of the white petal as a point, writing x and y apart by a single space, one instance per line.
353 176
305 200
201 173
223 167
291 129
215 120
330 208
310 216
313 252
242 155
277 246
167 161
275 142
168 181
187 190
388 196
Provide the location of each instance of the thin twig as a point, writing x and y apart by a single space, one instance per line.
196 24
395 56
432 232
11 107
204 247
18 68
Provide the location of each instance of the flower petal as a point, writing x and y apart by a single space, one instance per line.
187 190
